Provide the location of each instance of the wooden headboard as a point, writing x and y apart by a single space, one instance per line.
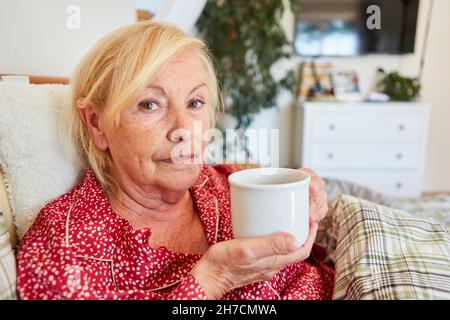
40 79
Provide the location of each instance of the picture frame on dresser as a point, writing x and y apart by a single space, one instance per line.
381 146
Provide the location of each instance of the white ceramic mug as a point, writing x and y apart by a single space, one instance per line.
267 200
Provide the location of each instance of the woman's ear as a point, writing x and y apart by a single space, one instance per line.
91 118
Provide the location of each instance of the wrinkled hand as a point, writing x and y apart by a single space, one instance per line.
235 263
318 201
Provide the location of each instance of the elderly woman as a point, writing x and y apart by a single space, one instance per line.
148 222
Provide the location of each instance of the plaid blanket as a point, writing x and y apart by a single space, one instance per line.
383 253
7 264
436 207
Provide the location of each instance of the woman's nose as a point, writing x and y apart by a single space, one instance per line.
180 128
179 135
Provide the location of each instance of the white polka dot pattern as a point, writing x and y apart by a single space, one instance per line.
79 248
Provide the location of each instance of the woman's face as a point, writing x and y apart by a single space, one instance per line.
159 140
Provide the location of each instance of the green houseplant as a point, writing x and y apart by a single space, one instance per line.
397 87
246 39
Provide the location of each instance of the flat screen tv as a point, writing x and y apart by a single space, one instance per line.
346 28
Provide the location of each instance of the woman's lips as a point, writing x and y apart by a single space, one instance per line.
185 159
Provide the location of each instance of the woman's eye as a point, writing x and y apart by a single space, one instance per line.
195 104
149 105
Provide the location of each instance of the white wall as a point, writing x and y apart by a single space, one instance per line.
436 89
34 38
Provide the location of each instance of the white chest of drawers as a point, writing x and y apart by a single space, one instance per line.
378 145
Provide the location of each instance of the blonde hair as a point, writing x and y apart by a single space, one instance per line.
116 70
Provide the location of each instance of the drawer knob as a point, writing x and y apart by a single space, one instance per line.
401 127
399 156
330 155
399 185
332 127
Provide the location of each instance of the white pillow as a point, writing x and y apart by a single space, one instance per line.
36 167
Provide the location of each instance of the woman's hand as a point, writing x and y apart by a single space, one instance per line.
235 263
318 201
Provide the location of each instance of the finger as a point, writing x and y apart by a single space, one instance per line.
323 211
279 243
277 262
311 237
318 199
314 208
307 245
322 199
308 171
311 173
260 275
314 176
313 189
312 214
317 185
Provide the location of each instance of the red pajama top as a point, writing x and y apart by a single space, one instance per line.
79 248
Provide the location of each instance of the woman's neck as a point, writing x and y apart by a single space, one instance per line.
170 214
152 206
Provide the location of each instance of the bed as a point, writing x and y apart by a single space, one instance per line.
429 205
